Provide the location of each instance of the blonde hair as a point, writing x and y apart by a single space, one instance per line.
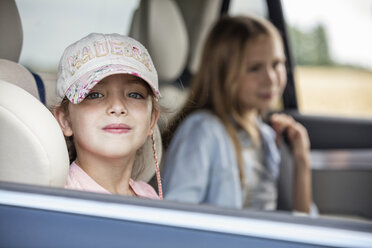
223 63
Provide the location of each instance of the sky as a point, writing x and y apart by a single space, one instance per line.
46 33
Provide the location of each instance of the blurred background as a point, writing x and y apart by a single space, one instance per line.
331 44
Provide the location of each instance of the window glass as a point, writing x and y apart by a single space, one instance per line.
331 46
50 26
244 7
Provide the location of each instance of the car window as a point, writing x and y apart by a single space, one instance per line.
38 216
46 32
242 7
331 46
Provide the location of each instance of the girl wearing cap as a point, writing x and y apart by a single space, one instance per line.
222 153
108 89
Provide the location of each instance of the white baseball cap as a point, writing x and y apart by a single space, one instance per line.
96 56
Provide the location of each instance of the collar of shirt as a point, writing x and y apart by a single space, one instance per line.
78 179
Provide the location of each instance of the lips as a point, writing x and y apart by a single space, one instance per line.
117 128
267 96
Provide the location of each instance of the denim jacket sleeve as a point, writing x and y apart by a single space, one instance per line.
199 164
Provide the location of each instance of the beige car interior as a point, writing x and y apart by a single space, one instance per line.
33 148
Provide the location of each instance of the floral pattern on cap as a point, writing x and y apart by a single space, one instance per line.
80 89
88 60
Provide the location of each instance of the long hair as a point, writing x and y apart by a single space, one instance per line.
223 64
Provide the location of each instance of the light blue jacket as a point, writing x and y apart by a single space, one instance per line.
201 166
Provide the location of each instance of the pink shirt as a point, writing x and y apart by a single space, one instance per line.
78 179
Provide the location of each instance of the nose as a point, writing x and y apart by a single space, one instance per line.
117 106
271 76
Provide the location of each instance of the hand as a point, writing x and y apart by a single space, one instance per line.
296 133
299 140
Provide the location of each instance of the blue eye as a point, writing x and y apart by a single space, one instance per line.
94 95
135 95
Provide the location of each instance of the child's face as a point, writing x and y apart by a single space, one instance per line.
265 77
114 120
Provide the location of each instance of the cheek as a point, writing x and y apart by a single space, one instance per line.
81 120
246 91
282 78
247 86
142 112
143 120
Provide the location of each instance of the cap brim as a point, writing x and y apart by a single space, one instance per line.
82 86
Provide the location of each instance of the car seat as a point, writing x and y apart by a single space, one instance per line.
11 40
32 146
11 37
17 74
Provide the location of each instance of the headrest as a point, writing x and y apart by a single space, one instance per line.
160 27
15 73
32 146
11 34
205 12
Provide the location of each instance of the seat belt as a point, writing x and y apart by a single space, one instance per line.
40 87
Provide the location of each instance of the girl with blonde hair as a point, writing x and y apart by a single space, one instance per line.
222 152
